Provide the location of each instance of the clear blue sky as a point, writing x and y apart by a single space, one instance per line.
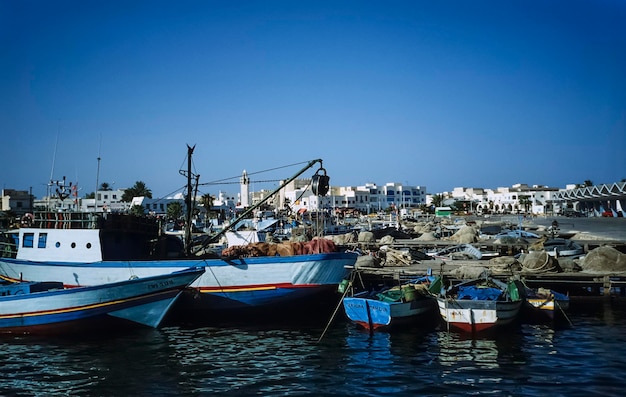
433 93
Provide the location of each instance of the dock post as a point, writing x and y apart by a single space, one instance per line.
606 284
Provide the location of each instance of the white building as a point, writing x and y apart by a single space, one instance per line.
366 199
518 198
157 206
18 201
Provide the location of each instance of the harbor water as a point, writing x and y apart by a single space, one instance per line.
585 358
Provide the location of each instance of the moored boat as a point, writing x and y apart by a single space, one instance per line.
480 305
409 303
87 249
544 304
87 257
559 247
48 307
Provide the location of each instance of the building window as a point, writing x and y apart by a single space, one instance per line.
43 238
28 240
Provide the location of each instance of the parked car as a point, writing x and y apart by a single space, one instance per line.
571 213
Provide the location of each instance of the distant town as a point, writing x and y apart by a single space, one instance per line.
297 197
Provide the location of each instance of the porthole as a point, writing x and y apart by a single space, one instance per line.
88 245
57 244
73 245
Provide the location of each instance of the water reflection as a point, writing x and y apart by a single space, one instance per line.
245 360
530 360
51 366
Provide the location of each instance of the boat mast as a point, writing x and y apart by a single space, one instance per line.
95 195
188 201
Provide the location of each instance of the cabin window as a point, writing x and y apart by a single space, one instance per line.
43 238
73 245
88 245
57 244
28 240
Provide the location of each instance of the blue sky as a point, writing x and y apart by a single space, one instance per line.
432 93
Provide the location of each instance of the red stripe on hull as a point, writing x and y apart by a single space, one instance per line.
367 326
466 327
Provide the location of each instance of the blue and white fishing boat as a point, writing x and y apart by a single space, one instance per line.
48 307
87 249
87 257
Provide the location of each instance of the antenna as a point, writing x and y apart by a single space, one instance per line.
54 156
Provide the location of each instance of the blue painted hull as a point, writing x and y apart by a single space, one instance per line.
374 314
143 301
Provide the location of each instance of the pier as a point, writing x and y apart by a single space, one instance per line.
575 284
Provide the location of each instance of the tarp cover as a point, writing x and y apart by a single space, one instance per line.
478 293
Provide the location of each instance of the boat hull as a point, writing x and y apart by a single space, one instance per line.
255 282
548 308
477 315
373 314
144 301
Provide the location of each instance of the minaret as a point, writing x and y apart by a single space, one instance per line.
245 189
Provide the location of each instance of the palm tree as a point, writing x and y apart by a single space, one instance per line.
174 210
138 190
207 201
137 210
525 202
437 200
105 186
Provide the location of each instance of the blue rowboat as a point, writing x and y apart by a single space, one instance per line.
48 307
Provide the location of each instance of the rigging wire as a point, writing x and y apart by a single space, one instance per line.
254 173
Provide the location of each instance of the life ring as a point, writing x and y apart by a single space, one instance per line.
27 220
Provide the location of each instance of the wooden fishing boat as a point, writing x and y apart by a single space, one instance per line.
545 304
409 303
479 305
48 307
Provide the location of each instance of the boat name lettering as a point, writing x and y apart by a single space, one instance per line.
161 284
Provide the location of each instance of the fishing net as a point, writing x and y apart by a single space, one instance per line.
604 259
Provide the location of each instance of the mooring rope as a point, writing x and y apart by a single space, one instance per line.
332 317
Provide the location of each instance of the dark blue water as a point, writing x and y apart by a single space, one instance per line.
585 359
